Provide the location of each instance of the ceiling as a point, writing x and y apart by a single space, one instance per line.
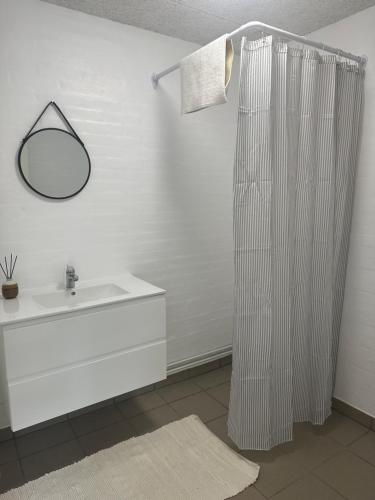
201 21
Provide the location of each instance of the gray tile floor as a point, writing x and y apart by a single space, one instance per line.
332 462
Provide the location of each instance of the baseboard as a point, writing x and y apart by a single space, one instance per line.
202 359
353 413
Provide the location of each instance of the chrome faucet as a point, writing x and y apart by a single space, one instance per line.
71 277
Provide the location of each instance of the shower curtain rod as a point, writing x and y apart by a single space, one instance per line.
271 30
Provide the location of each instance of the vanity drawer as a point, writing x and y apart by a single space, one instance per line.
58 392
63 340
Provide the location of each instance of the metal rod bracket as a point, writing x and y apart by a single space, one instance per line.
154 80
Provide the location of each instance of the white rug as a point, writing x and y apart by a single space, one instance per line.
181 461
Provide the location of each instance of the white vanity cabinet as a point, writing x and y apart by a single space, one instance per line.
58 362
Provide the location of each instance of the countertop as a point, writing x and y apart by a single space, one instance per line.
26 308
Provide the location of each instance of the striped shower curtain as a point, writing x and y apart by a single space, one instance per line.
297 140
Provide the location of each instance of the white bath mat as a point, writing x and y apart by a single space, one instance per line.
181 461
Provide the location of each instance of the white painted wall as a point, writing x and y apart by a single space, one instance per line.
159 202
355 380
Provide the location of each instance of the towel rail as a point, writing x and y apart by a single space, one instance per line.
271 30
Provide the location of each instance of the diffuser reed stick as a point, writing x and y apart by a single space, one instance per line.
8 273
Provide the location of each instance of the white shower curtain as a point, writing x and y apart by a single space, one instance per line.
297 140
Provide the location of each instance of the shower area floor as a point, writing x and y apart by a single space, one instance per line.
331 462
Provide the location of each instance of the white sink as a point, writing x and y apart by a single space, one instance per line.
77 296
48 301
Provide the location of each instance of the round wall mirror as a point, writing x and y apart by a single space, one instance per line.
54 163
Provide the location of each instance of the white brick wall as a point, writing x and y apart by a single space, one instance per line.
159 202
355 381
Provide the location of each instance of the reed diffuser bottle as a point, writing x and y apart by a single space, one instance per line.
9 289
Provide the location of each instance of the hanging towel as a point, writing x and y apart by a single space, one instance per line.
205 75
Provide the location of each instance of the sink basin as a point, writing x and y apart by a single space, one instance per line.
78 296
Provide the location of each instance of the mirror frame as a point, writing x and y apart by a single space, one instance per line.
27 182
